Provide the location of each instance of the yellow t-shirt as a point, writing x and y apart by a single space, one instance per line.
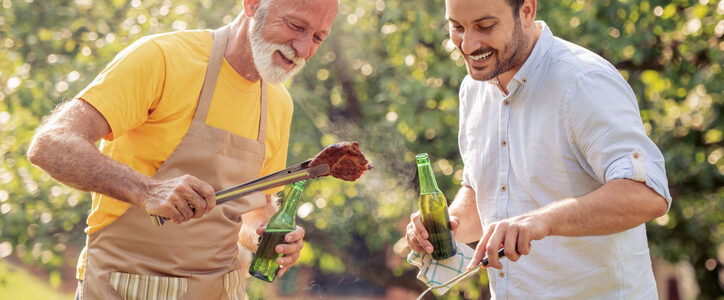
148 94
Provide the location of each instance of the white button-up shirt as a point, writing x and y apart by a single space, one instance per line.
569 124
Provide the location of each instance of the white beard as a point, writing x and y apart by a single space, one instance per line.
263 53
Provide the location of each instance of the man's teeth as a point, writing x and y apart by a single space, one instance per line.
481 56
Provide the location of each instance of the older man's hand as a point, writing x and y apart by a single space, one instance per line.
293 243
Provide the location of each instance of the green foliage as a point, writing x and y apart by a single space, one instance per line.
16 283
51 50
387 77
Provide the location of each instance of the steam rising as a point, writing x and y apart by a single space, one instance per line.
381 143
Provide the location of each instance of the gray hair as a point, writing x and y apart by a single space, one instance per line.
261 13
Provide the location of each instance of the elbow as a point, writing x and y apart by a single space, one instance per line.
657 207
660 208
651 204
36 149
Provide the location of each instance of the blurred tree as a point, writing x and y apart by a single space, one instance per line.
387 77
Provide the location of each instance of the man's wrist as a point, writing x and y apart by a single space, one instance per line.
545 221
142 191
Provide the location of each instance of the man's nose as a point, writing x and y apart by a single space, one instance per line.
304 47
470 42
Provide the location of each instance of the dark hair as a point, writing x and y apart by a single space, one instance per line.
515 5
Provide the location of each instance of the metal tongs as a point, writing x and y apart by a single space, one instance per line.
295 173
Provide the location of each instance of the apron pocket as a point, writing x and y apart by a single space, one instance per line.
148 287
234 283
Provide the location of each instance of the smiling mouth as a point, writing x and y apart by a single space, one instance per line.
481 57
285 59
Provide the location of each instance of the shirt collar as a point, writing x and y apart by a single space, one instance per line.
536 55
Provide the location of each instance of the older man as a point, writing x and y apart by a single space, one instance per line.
555 151
181 115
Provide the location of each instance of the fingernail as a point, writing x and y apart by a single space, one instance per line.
280 248
428 249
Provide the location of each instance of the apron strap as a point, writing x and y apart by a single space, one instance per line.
216 58
262 118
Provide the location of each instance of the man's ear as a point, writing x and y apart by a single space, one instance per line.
250 7
527 12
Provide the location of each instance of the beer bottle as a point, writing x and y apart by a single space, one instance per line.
433 211
264 265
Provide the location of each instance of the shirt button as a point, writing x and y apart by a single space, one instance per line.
504 143
506 102
503 188
502 275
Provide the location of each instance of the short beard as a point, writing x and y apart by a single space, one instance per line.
512 55
263 51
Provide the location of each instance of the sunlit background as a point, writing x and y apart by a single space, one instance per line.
388 78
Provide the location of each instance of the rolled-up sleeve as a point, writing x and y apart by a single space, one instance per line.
606 126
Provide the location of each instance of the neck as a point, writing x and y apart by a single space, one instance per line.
238 49
504 79
428 184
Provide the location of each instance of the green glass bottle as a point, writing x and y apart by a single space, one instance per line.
264 265
433 211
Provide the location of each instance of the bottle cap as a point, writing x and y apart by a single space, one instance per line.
422 158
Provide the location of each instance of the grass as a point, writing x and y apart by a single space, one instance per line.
16 283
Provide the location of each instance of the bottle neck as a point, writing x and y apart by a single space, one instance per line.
428 185
291 203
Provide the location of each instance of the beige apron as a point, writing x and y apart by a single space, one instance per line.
198 259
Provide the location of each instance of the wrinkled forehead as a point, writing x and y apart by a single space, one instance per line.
318 14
